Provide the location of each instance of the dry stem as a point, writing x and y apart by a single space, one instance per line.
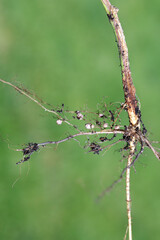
129 93
128 87
131 134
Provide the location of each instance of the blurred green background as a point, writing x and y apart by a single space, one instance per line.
66 53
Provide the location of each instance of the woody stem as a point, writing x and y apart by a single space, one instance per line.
128 87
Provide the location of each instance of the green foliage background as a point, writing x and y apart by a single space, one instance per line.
66 53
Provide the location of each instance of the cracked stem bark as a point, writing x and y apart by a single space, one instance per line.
129 94
128 87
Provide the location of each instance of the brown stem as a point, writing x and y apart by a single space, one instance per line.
128 87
